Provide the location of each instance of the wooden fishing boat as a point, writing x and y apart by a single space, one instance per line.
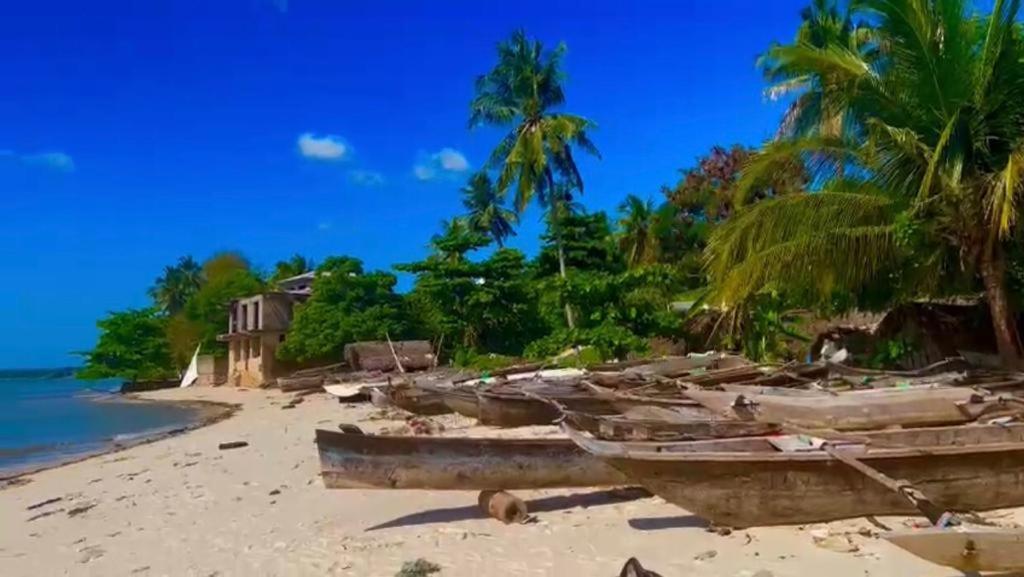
355 461
861 411
749 482
665 429
970 551
416 399
514 410
460 399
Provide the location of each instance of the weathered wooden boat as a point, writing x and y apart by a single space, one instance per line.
355 461
749 482
861 411
971 551
514 410
460 399
664 428
418 400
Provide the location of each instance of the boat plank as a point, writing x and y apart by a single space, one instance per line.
970 550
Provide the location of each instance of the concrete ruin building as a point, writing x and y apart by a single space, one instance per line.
257 326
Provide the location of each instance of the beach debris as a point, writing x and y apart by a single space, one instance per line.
350 429
706 555
418 568
76 511
42 504
837 542
274 492
232 445
421 426
503 506
140 569
91 552
633 568
45 514
15 482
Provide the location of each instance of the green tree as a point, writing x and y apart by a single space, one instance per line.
638 238
578 240
522 94
294 266
132 346
487 212
348 305
178 283
205 315
937 146
480 304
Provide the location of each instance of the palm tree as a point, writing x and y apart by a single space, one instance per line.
521 94
940 165
817 107
637 238
179 282
487 212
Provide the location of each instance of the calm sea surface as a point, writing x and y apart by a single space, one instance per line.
44 422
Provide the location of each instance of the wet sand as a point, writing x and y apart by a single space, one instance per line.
179 506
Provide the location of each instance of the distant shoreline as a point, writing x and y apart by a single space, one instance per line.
38 374
210 412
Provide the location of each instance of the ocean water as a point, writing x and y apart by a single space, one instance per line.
44 422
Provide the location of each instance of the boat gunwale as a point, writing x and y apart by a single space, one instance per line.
340 439
638 452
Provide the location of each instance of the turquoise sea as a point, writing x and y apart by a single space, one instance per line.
47 421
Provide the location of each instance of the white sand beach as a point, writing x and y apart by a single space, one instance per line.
181 507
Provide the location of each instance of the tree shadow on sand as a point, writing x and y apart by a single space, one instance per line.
542 505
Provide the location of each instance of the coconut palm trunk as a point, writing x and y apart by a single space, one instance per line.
570 319
1004 321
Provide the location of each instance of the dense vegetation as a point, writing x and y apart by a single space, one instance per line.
895 175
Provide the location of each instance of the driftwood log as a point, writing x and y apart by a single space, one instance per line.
378 356
503 506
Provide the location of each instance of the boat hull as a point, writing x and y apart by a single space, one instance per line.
620 428
738 483
968 551
353 461
509 411
859 411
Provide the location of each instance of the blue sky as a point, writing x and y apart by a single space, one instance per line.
135 132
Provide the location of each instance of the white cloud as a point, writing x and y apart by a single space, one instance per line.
366 177
446 162
327 147
424 172
452 160
52 160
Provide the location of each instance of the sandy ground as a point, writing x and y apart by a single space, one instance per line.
181 507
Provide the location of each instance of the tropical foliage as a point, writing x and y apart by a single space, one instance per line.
348 304
487 212
922 184
132 345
